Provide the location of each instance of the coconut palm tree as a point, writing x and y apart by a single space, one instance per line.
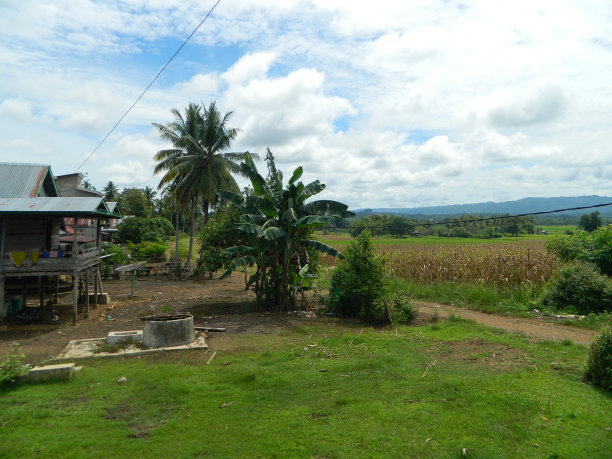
199 164
111 192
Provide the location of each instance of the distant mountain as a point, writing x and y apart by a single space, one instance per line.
522 206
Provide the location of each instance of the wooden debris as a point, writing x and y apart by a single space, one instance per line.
429 365
211 357
227 363
433 400
225 405
323 370
210 329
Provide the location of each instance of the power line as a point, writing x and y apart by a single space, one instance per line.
500 217
149 86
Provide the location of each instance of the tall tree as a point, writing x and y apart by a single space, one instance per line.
199 164
111 192
590 222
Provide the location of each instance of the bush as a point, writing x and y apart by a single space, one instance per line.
579 285
599 365
219 233
153 251
12 367
358 283
137 230
119 253
595 247
401 308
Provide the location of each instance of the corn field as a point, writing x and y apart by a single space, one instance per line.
519 264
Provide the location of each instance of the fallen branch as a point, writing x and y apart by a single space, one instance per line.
225 405
210 329
429 365
433 400
211 357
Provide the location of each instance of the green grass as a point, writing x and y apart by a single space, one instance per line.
358 392
516 301
339 240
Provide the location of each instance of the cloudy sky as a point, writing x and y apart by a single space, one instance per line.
390 103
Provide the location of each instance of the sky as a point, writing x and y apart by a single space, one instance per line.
389 103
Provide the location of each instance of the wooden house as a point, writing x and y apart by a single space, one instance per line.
36 241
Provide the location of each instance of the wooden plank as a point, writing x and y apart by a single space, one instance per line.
96 275
87 272
75 295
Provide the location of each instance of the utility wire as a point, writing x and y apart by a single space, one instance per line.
149 86
500 217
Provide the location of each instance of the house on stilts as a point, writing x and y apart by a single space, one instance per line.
49 235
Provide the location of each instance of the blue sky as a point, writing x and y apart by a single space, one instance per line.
391 104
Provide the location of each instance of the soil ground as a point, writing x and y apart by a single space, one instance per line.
220 303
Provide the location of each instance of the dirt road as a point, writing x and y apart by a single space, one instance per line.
533 328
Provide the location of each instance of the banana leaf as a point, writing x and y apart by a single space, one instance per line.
321 247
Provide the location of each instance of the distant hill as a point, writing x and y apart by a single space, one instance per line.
522 206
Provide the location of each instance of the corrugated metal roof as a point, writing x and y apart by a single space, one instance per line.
21 180
113 209
54 205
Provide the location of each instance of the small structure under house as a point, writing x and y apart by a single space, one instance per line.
46 236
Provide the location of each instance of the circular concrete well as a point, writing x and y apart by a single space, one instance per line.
164 330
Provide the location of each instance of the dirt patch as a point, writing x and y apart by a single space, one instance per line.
533 328
215 303
222 303
481 353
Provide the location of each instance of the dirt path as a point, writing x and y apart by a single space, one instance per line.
533 328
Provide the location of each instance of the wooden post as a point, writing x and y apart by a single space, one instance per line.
57 289
75 242
75 295
24 292
3 306
41 285
100 282
95 281
87 293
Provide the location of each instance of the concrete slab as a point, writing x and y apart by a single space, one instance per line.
62 371
129 336
84 348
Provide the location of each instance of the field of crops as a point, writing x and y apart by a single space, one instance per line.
501 265
505 264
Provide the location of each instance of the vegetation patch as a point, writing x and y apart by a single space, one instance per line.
327 390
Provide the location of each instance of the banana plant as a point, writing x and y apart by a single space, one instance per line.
277 221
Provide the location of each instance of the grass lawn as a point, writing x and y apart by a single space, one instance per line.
324 390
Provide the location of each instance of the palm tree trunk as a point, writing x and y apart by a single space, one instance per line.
176 250
191 231
205 208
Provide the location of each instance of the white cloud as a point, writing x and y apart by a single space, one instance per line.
403 103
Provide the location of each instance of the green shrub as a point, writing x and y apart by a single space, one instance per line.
138 229
599 365
580 286
219 233
153 251
358 284
12 367
595 247
401 308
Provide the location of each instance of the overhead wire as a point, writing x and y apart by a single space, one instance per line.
497 217
148 87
